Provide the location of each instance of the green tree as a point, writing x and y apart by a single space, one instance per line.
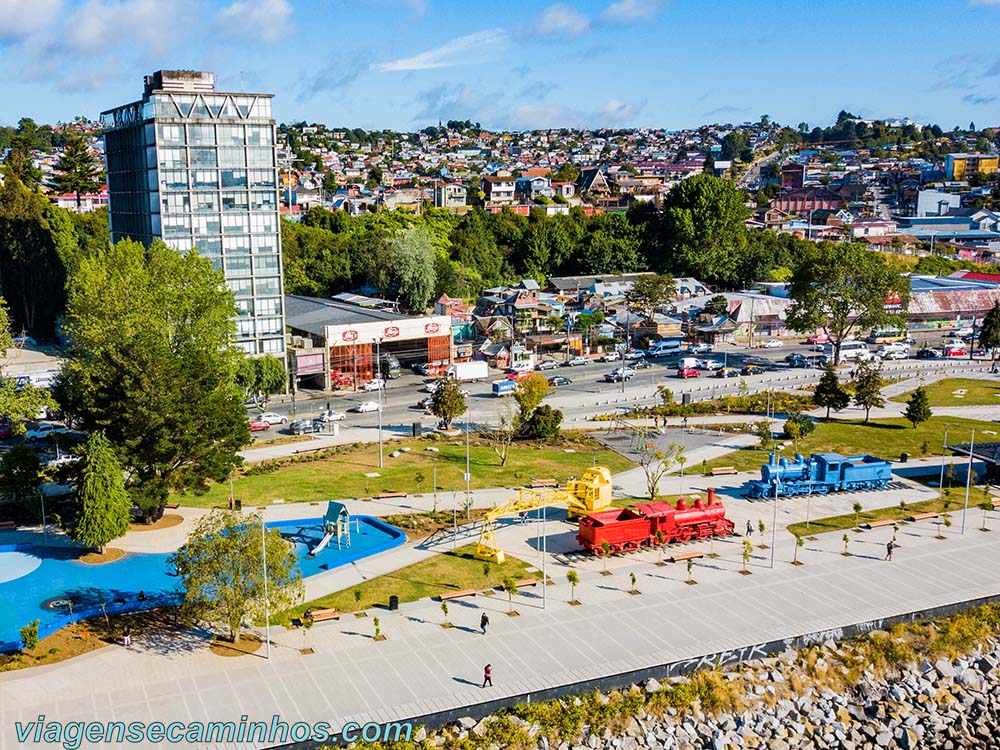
412 256
19 164
20 473
510 588
844 288
448 401
717 305
703 230
798 426
259 377
799 541
529 397
649 292
918 407
830 393
989 330
221 571
868 388
105 506
29 636
857 508
657 463
78 170
151 362
545 423
573 578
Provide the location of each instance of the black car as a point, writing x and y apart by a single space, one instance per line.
305 426
752 370
641 364
796 360
557 380
928 353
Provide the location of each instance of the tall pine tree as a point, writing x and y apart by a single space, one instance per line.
918 407
830 393
78 170
868 388
104 502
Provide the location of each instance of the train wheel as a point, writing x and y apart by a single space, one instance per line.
823 489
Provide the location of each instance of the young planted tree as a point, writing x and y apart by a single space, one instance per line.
989 331
868 388
895 531
573 578
605 553
29 636
307 624
761 528
444 611
377 624
448 402
631 577
501 434
690 567
660 538
830 393
656 463
510 588
747 551
799 542
985 506
104 504
846 540
220 568
918 407
78 170
857 508
764 434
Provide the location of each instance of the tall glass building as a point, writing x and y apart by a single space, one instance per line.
197 168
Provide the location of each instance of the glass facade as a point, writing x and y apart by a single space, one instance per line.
198 170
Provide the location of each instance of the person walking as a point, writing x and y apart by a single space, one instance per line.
484 622
749 528
127 636
488 675
888 550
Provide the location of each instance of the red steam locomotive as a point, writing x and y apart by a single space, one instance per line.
631 528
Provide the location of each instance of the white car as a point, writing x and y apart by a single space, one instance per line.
272 418
577 361
433 386
964 333
547 364
700 349
893 354
375 384
611 357
633 354
44 430
332 415
366 406
711 365
772 344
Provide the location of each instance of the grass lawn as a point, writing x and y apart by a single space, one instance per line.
451 571
952 506
886 438
942 392
343 475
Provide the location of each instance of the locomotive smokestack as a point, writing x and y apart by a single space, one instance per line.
711 495
773 459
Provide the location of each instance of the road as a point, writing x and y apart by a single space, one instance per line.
752 175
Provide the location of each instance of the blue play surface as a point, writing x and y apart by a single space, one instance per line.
32 577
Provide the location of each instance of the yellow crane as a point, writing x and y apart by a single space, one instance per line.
588 494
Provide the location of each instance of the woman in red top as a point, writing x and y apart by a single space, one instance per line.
488 675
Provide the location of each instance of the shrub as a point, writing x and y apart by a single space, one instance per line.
29 636
800 422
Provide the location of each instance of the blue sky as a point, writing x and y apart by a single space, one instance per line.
405 64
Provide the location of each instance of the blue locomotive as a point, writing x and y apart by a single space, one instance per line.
819 474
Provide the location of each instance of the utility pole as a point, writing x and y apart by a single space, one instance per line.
944 449
468 470
267 609
774 521
381 384
968 479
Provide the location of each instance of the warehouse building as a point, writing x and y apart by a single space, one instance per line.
338 340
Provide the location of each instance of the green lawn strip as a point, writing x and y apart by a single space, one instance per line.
941 393
451 571
343 475
847 521
886 438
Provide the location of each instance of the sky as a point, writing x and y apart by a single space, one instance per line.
513 64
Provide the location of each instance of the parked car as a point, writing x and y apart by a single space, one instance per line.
519 375
728 372
547 364
894 354
610 357
433 385
273 418
306 426
425 403
332 415
619 374
928 353
711 365
258 425
965 333
366 406
819 338
772 344
641 364
751 370
797 360
956 351
576 361
634 355
700 349
375 384
688 372
557 380
6 431
44 430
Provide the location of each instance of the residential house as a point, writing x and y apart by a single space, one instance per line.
593 180
497 189
451 195
872 228
565 189
534 187
807 199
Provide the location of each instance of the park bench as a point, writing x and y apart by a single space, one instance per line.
7 525
390 495
922 516
995 502
318 615
446 595
537 484
880 523
720 471
682 556
527 582
172 506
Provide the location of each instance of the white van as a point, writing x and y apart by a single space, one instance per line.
693 362
849 350
664 349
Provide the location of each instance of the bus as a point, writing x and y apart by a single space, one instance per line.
886 336
849 350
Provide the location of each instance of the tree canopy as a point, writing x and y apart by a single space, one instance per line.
151 362
78 170
105 506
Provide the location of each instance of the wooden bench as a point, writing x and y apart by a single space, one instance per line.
922 516
721 471
682 556
527 582
995 502
7 525
446 595
318 615
390 495
537 484
172 506
879 523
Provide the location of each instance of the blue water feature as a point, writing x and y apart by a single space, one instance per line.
35 582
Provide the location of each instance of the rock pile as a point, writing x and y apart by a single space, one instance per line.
792 701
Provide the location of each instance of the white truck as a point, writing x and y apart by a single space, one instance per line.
466 372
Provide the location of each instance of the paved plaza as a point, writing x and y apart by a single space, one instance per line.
424 668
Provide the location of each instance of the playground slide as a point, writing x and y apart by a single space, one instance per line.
322 544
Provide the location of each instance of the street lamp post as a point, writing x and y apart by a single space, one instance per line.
968 479
267 609
774 522
378 357
435 484
45 528
944 450
468 470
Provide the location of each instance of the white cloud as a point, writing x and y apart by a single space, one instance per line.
561 19
96 25
21 19
617 111
261 19
461 51
634 10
